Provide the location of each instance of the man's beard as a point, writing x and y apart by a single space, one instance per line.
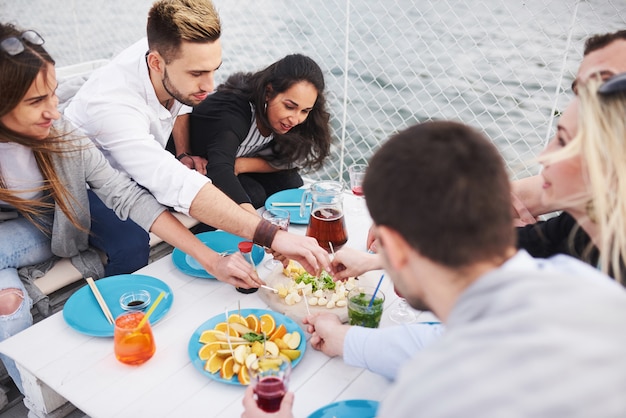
172 91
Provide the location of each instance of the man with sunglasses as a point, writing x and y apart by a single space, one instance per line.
128 108
603 54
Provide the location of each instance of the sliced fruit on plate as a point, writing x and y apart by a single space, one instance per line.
271 348
268 324
291 354
253 323
279 332
243 377
210 335
236 318
208 350
226 371
292 340
214 363
224 327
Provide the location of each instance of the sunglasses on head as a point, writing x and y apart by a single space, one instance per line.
615 84
15 45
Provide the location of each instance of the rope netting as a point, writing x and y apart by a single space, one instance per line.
504 67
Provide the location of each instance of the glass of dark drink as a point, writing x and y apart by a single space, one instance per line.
357 174
326 223
269 376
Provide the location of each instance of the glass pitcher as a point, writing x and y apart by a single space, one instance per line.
326 223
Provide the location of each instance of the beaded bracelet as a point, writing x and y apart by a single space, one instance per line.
265 233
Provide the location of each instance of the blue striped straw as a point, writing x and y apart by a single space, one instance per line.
376 290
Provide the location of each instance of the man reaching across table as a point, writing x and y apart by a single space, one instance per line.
128 109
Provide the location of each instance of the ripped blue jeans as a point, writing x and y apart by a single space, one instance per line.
21 244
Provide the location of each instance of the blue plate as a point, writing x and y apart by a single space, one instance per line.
354 408
82 312
195 345
218 241
290 196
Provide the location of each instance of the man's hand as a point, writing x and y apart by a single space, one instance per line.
304 250
195 163
251 409
235 270
349 262
327 333
370 242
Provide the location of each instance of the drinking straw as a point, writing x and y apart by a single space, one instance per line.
152 308
332 250
376 290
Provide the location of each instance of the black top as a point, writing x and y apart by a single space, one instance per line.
551 237
217 126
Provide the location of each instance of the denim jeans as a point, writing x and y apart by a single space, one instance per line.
27 245
125 243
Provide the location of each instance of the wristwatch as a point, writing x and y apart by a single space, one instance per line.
182 155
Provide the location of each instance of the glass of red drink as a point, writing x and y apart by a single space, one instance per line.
269 376
133 345
357 174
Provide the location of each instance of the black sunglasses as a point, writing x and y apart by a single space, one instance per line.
615 84
15 46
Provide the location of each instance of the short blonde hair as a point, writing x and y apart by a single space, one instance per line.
172 21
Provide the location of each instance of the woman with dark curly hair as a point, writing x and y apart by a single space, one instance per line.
259 129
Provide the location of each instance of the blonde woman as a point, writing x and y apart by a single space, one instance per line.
585 176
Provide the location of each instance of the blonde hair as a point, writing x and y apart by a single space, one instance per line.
172 21
602 133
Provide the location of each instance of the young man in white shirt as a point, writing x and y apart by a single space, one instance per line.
128 108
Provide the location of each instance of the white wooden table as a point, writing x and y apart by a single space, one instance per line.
58 364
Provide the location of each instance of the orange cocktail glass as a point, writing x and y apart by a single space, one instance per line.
133 345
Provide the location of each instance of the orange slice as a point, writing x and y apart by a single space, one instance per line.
225 328
210 335
243 376
278 333
253 323
268 325
226 371
238 318
207 350
214 363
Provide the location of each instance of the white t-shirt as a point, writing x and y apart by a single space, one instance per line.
20 170
118 109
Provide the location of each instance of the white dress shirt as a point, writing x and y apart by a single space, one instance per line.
118 109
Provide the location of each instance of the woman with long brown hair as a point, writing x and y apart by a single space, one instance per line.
44 173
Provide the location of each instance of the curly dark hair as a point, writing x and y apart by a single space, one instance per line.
307 144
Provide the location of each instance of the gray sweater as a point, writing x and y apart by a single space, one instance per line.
83 164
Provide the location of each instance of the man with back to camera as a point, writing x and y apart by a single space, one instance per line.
128 109
511 348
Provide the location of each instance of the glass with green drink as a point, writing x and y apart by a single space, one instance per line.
360 311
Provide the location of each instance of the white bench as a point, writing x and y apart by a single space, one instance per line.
64 273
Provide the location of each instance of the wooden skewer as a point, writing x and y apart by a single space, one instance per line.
100 299
269 288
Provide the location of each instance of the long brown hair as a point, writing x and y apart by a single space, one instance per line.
17 74
308 143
